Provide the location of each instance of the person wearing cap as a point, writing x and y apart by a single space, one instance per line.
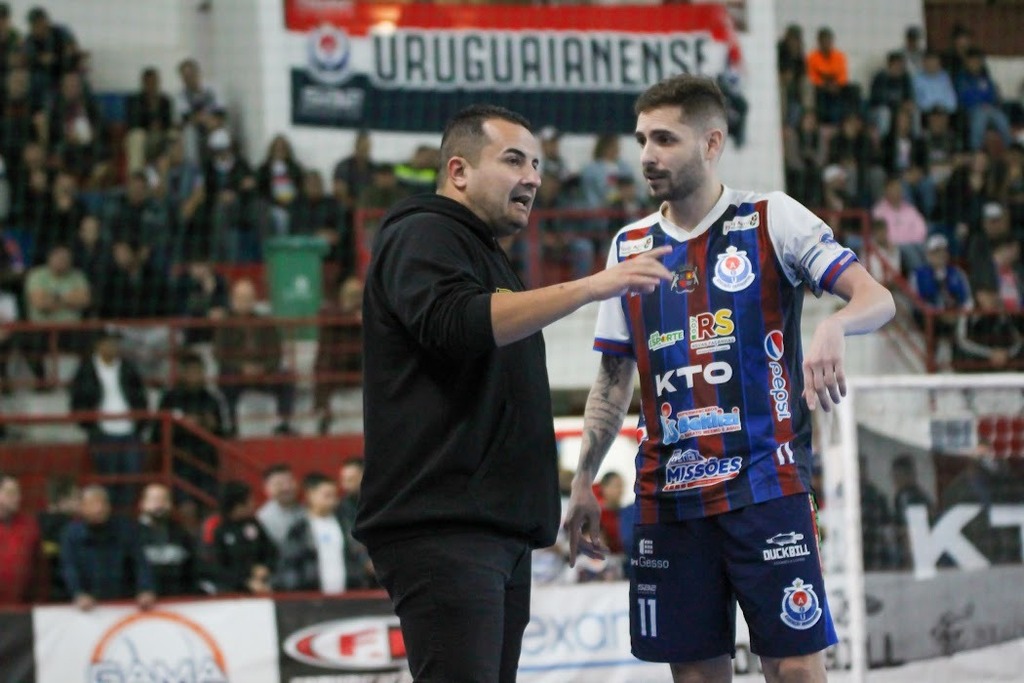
913 51
995 226
231 207
109 384
941 285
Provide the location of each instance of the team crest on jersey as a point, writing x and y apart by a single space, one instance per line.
800 607
733 271
748 222
685 279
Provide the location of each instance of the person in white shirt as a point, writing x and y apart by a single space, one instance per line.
282 508
317 555
108 384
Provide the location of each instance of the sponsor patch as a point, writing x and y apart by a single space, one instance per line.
710 332
774 348
733 271
800 607
689 469
633 247
659 340
697 422
748 222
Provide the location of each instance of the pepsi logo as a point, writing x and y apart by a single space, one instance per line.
367 644
773 345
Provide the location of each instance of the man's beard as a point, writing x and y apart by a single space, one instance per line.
683 182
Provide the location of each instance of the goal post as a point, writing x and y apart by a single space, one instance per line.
923 515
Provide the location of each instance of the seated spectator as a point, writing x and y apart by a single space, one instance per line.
913 52
243 553
933 87
12 273
250 356
884 252
1009 273
827 72
853 143
30 190
75 129
179 182
907 227
167 547
50 49
987 340
21 117
319 214
109 384
102 558
995 228
961 41
136 217
200 293
148 117
383 192
1012 187
63 500
553 163
353 174
135 287
835 184
338 362
316 555
970 187
91 253
979 98
941 286
419 174
191 400
60 217
350 483
11 43
908 493
282 508
279 181
890 89
20 562
197 105
598 179
792 65
55 293
232 212
942 146
907 157
802 150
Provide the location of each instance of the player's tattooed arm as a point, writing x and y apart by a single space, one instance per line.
606 409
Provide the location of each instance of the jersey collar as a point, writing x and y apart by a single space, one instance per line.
712 216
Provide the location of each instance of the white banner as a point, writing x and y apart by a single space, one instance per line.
218 641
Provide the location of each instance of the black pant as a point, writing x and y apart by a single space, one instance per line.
463 600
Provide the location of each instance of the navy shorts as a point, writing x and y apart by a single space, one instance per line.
688 577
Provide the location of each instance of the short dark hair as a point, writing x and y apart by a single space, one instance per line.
894 56
699 97
191 358
233 494
464 134
314 479
354 460
825 32
276 468
609 476
37 13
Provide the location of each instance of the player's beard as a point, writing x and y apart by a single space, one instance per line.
683 182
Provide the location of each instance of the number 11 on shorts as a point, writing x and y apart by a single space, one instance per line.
648 607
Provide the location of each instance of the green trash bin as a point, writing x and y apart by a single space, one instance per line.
295 276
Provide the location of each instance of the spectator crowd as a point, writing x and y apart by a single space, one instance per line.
928 149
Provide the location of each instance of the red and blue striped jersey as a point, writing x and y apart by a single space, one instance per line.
723 424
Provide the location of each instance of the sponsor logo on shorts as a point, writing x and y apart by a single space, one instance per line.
646 546
646 588
733 271
689 469
633 247
787 548
748 222
645 550
800 607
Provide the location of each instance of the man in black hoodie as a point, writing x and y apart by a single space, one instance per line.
461 478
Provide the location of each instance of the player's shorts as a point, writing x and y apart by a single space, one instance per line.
688 576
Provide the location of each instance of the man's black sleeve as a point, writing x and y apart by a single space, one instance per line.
429 283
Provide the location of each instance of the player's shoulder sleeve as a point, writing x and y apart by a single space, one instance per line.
805 244
612 334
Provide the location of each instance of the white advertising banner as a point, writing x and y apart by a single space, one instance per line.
220 641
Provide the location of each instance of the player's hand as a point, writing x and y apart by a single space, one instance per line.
146 600
824 379
640 274
84 602
583 524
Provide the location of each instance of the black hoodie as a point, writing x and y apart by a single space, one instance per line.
458 431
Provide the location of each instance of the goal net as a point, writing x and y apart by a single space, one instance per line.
923 517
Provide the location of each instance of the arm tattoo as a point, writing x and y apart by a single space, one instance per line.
606 408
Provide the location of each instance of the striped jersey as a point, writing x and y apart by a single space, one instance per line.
722 424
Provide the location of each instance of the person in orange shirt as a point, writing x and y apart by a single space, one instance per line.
827 72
